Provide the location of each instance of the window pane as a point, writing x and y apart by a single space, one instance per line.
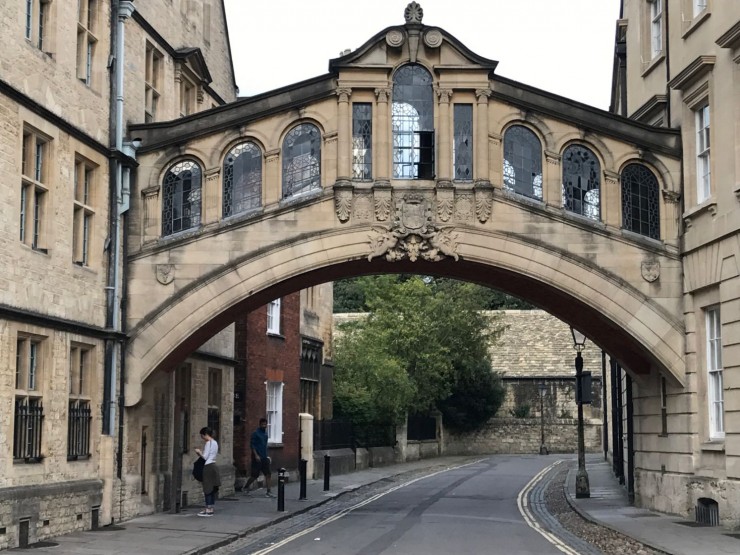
412 117
463 142
362 140
242 179
522 162
181 198
581 182
301 160
640 201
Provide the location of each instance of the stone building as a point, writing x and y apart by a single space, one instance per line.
677 64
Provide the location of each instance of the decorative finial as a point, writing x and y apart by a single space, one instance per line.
413 13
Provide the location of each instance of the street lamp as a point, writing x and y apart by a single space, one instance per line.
582 488
543 390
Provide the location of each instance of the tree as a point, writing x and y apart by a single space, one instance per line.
350 295
422 342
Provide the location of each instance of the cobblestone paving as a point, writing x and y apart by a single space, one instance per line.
584 536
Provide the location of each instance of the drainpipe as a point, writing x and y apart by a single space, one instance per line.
124 10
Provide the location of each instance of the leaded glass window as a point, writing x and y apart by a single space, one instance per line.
181 197
412 116
301 160
362 140
242 179
463 142
640 208
522 162
581 182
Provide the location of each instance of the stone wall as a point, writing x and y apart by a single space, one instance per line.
522 435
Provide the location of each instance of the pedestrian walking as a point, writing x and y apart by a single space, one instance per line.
211 476
260 460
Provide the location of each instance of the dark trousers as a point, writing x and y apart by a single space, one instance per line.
210 499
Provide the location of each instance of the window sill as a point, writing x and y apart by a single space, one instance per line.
275 445
698 20
709 205
639 238
716 445
276 335
72 458
652 64
29 460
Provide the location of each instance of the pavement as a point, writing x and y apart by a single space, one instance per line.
239 516
609 506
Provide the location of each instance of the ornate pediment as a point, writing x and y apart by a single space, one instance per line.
409 38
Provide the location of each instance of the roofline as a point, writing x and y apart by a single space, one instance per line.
161 134
228 48
659 139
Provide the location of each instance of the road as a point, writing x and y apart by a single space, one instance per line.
468 510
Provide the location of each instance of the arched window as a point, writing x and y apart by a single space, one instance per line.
412 116
301 160
242 179
581 181
640 206
522 162
181 196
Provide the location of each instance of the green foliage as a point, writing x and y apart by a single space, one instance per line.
475 398
351 295
424 342
521 411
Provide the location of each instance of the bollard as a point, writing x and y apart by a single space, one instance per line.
303 466
327 471
281 490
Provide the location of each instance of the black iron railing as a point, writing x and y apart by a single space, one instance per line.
340 434
78 430
421 428
29 418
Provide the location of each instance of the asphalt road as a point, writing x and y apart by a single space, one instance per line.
468 510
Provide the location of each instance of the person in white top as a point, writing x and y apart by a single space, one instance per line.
211 476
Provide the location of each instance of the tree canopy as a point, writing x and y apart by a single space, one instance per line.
350 294
423 346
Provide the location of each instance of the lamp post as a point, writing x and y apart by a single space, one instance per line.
543 390
582 488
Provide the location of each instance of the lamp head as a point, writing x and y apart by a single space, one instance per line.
579 339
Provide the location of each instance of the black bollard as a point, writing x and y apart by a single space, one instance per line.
281 490
303 467
327 471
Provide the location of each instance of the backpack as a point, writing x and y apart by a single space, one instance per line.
198 468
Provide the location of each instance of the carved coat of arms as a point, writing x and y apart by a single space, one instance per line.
412 234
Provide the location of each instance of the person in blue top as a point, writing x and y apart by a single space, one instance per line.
260 460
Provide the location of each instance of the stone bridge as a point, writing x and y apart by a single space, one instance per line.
410 155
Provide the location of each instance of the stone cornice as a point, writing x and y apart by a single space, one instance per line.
731 39
692 72
657 103
656 139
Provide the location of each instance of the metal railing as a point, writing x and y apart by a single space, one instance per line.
421 428
29 418
78 430
340 434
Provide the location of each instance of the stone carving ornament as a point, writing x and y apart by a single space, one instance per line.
413 13
650 270
395 38
412 235
483 204
382 204
343 202
433 38
165 273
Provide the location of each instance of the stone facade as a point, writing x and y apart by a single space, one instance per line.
57 315
683 72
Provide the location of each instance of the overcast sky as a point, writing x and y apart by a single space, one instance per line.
563 46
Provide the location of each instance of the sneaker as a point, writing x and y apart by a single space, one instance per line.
269 494
204 513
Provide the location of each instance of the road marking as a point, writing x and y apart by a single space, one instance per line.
523 502
344 512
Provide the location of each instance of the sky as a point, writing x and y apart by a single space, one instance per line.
563 46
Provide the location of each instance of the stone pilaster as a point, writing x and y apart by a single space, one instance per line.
480 165
344 136
444 163
383 142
